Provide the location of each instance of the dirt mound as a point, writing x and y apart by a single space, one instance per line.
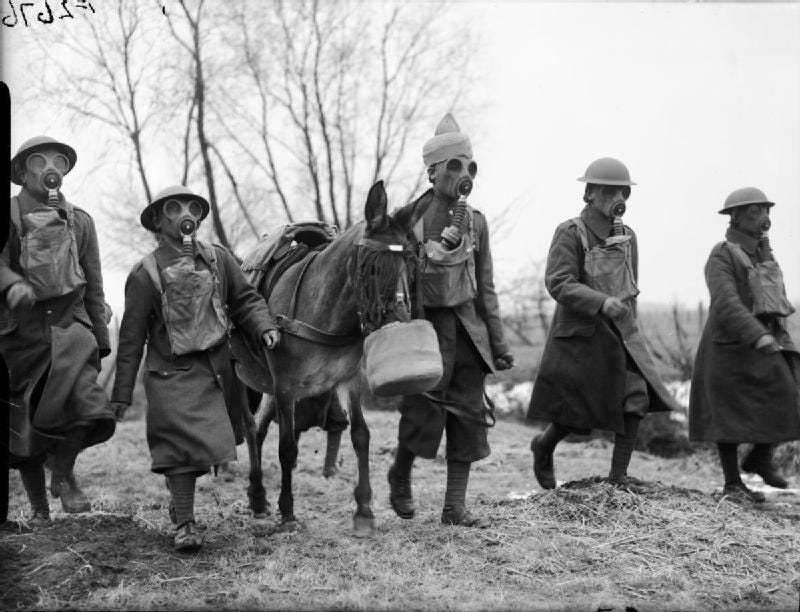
662 531
72 558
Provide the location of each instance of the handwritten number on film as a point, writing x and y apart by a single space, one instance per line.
46 16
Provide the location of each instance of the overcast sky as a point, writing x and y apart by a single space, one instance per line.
697 99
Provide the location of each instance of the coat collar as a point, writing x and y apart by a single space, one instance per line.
27 202
166 254
596 221
748 243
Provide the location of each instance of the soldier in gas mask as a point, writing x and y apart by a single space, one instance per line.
182 299
596 371
745 380
455 290
52 328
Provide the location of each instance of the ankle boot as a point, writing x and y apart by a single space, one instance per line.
73 500
759 461
33 479
400 493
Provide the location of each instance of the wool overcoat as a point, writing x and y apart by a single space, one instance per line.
740 394
194 400
581 378
26 342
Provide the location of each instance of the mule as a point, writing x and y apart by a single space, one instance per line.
261 412
343 292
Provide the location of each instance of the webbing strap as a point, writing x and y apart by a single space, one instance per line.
14 215
740 254
581 231
150 266
303 330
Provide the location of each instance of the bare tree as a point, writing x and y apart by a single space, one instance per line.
527 306
283 110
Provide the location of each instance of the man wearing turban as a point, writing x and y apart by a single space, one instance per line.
455 292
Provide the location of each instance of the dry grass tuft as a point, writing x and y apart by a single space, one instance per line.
656 541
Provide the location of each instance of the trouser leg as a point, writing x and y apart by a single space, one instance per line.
399 478
457 479
730 462
543 446
623 447
181 488
33 479
63 483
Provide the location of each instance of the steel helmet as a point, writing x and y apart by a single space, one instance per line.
175 191
37 143
744 196
607 171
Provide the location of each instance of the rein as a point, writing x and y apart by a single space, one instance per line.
290 325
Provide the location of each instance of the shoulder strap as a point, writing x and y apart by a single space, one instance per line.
740 254
16 219
419 231
578 222
211 254
149 264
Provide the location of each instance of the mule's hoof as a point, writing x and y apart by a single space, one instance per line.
260 516
363 526
289 526
329 471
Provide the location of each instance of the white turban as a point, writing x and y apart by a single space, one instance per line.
448 142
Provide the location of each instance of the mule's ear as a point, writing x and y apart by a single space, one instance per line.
408 215
375 208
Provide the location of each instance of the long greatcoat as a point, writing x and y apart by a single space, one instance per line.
581 378
28 346
194 400
740 394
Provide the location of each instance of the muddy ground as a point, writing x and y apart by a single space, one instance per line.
543 551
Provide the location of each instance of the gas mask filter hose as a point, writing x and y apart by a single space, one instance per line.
187 228
52 181
617 227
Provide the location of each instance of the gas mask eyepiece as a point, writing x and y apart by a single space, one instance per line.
175 209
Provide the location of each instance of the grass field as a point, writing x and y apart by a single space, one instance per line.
585 546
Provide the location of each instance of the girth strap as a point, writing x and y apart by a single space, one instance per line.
303 330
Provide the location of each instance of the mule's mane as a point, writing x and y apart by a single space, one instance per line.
375 275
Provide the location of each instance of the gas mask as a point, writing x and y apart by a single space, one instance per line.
182 218
610 201
454 181
454 178
45 173
752 219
